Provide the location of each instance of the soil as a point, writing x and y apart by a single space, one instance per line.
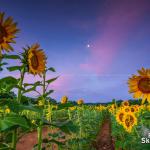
27 141
104 139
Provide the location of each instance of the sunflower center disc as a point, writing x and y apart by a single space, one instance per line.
3 34
127 122
127 110
131 120
34 61
126 103
132 110
144 85
121 117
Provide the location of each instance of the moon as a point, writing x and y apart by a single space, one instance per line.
88 46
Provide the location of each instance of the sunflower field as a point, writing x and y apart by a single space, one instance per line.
42 124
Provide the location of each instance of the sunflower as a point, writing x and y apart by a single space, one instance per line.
80 101
129 120
40 102
132 109
139 85
36 59
112 108
33 121
8 29
119 116
55 107
7 110
126 109
72 108
125 103
64 100
137 108
99 108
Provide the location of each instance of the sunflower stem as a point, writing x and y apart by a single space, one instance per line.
136 132
40 136
14 139
14 134
44 79
41 122
20 85
1 57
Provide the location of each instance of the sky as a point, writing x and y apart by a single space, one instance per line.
94 45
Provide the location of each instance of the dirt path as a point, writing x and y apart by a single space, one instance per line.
104 140
29 140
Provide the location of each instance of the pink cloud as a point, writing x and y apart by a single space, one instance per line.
118 20
62 83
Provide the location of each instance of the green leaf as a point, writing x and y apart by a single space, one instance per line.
4 146
17 107
18 87
29 90
48 93
8 83
33 86
4 63
14 68
65 106
66 126
11 56
1 69
31 108
51 69
54 135
27 84
38 83
11 121
53 141
8 80
51 80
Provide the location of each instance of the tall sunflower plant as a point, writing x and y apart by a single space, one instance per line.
33 61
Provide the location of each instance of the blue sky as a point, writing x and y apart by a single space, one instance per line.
94 45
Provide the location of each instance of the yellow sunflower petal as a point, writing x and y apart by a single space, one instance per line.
8 30
8 21
144 98
139 85
137 94
36 59
148 98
